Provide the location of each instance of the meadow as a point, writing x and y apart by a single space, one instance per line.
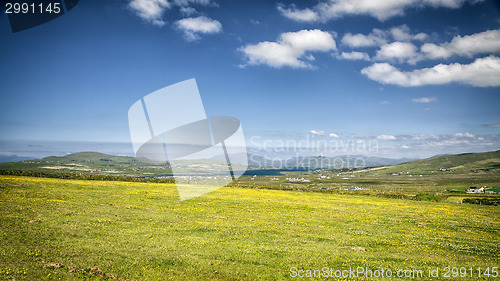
436 179
60 229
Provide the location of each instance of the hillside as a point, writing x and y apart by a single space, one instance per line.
459 163
91 163
436 175
103 164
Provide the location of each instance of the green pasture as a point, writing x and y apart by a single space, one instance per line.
54 229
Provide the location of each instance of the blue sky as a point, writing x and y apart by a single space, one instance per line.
418 77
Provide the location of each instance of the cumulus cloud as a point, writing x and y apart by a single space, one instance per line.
402 33
188 11
398 52
469 45
304 15
483 72
464 135
193 26
424 100
290 49
376 38
461 140
430 145
494 125
437 138
395 44
184 3
254 22
386 137
150 10
332 135
354 56
317 133
420 137
381 10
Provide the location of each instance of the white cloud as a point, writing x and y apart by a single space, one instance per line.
433 51
188 11
290 49
457 140
310 57
420 137
395 43
354 56
398 52
483 72
193 26
150 10
424 100
254 22
317 133
469 45
402 33
380 37
332 135
386 137
464 135
305 15
384 102
376 38
184 3
494 125
382 10
430 145
420 36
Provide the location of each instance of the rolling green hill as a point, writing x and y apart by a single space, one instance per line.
103 164
91 163
464 163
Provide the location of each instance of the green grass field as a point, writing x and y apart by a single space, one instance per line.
433 185
435 179
141 231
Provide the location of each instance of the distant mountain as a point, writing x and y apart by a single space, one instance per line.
439 155
322 162
344 161
255 160
13 158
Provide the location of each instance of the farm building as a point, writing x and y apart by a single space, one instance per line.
474 189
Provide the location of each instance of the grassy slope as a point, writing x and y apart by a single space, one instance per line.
459 163
409 179
103 163
85 162
141 231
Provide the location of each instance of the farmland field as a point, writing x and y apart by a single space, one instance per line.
99 230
